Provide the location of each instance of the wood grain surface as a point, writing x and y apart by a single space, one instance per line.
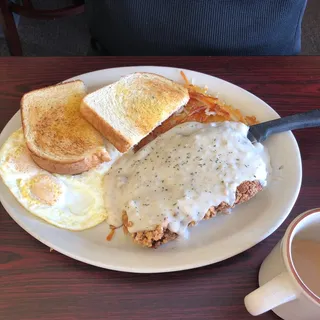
39 284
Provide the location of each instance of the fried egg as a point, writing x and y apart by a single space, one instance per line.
73 202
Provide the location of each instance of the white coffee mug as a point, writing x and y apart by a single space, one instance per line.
282 279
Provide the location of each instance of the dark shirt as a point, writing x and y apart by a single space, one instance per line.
197 27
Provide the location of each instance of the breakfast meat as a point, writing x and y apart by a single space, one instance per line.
162 235
202 166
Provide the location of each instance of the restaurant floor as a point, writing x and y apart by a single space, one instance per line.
70 36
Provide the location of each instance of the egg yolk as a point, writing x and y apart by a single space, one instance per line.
21 160
45 189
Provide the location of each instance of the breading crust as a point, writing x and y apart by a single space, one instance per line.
162 235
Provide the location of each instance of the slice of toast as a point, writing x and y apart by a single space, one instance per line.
59 138
129 109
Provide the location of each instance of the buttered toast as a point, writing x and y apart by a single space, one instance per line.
59 138
129 109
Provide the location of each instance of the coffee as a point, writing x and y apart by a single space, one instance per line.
306 260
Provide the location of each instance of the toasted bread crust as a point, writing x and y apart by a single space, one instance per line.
161 89
157 98
113 136
59 138
24 115
70 168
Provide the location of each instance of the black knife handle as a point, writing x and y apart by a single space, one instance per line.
308 119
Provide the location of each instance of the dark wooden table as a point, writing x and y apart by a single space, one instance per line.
37 284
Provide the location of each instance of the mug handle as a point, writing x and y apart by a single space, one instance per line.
272 294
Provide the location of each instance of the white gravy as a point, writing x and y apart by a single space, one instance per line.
177 177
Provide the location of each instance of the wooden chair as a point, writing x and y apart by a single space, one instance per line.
26 9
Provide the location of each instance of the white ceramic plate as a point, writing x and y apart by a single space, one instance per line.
211 241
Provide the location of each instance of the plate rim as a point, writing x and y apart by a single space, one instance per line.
208 261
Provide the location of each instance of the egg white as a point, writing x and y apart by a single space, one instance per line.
73 202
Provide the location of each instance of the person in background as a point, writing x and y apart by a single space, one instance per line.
195 27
